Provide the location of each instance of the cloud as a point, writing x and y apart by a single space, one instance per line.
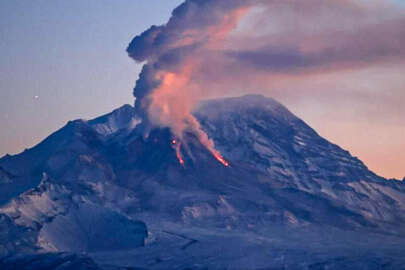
332 49
278 47
176 48
165 91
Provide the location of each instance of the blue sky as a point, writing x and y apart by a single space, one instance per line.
71 54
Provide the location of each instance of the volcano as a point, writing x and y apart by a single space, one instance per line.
99 194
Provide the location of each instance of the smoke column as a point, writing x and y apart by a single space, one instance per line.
165 91
281 45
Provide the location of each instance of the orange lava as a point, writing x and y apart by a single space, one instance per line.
221 159
177 145
178 154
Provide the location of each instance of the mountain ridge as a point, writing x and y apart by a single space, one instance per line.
282 176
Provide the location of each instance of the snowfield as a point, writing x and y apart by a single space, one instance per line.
98 194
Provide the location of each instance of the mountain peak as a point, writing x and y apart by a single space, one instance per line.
240 103
105 174
122 118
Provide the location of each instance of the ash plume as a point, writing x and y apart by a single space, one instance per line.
166 92
212 48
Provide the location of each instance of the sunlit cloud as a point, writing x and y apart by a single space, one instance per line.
286 49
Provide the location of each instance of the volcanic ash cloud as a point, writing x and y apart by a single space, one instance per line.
166 91
277 47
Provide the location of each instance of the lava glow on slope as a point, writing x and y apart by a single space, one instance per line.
220 158
179 158
216 154
178 151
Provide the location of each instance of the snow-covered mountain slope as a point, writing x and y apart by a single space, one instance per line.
263 134
121 118
5 177
60 261
101 186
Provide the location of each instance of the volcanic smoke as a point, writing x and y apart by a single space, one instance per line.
165 91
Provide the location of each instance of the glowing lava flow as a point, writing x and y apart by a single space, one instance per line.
178 152
215 153
218 156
